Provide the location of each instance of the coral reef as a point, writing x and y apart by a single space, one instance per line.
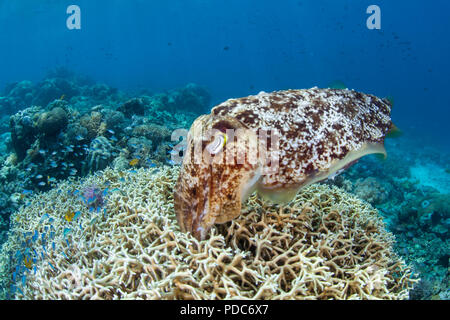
67 125
191 97
51 130
326 244
132 107
371 190
410 190
99 156
52 122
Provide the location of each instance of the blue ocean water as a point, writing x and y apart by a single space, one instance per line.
236 48
288 44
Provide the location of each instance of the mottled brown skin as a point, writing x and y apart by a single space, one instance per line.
209 192
321 131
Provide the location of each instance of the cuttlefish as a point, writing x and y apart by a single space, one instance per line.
309 135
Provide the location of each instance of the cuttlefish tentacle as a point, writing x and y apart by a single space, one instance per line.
320 132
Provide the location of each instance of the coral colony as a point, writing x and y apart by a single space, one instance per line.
269 251
93 207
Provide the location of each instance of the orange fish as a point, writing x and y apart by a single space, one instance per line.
27 262
134 162
69 215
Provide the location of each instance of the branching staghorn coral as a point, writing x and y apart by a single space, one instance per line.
326 244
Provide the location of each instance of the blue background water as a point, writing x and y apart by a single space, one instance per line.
238 47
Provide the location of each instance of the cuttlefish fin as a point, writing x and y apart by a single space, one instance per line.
278 195
394 132
282 195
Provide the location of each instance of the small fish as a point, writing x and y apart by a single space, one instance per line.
35 236
39 176
12 290
113 138
41 184
151 164
66 231
69 215
42 152
110 131
44 216
51 179
134 162
77 214
54 269
62 97
20 290
27 262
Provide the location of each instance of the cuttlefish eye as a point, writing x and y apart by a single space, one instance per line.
217 145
